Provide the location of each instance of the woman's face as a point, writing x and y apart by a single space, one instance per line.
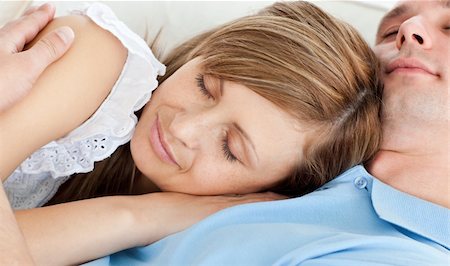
201 135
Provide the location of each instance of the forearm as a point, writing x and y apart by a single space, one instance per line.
80 231
13 249
76 232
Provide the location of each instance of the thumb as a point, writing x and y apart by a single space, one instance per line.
49 48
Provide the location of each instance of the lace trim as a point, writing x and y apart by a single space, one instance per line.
37 179
31 191
113 123
68 158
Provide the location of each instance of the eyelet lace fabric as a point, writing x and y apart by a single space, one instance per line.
38 178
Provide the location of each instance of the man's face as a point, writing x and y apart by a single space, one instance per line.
413 43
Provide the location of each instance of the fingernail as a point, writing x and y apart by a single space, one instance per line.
66 34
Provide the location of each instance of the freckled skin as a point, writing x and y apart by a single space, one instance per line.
196 127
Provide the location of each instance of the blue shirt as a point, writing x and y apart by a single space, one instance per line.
352 220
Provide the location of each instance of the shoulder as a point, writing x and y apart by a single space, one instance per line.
95 58
67 93
90 39
72 88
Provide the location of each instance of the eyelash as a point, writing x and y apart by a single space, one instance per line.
229 156
390 33
226 150
396 32
201 85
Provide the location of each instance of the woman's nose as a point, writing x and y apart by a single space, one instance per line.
414 31
191 127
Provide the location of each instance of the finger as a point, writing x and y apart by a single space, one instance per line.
30 10
46 7
47 50
14 35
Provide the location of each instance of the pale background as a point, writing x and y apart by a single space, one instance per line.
182 19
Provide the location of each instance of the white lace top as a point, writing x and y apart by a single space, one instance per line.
38 178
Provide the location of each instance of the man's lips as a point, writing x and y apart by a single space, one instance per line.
409 65
159 144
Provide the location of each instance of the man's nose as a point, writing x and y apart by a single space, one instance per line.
193 127
414 32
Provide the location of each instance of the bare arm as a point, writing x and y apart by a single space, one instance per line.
68 93
65 95
77 232
13 248
72 233
17 79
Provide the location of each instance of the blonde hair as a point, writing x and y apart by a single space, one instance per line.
314 66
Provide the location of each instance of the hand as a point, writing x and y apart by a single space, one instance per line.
20 69
162 214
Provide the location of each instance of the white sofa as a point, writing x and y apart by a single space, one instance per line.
181 19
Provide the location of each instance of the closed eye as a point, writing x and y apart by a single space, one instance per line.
228 154
202 87
389 34
226 150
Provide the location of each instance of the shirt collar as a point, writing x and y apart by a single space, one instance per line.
419 216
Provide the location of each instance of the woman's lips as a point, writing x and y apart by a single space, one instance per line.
158 143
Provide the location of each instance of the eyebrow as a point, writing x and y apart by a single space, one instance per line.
446 3
394 13
398 11
246 136
403 9
221 86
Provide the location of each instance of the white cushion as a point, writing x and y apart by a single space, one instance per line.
11 10
182 19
